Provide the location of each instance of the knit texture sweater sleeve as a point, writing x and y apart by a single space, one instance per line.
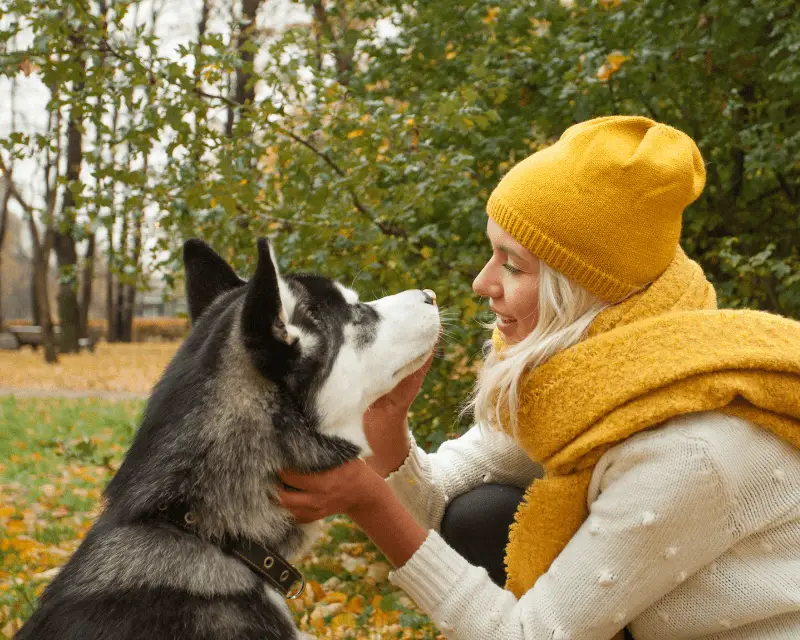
659 512
426 482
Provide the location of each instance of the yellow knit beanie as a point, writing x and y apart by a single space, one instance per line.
603 205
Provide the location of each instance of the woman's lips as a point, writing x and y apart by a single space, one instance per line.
504 321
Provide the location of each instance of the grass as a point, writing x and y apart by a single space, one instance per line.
58 456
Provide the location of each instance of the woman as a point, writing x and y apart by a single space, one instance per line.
668 431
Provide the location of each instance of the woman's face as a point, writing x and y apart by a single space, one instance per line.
511 282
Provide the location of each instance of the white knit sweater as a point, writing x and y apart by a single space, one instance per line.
693 532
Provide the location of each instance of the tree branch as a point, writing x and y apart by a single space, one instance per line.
386 227
787 188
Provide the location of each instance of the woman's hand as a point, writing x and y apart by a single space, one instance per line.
352 489
386 423
357 491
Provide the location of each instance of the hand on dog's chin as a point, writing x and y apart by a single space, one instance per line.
386 422
417 367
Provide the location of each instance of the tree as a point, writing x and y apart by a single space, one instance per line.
5 198
369 135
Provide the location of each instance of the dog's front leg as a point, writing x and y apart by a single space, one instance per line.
309 451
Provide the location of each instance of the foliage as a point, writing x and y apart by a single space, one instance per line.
370 157
57 457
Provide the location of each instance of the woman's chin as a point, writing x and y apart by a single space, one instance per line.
508 329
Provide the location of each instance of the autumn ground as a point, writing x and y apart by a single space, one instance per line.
57 454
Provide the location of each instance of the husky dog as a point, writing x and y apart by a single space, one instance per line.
276 373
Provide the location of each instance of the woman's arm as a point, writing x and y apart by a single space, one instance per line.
662 514
356 490
426 482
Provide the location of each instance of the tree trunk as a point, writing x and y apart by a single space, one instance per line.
127 319
119 312
35 319
4 199
111 311
343 52
243 93
68 308
41 253
48 338
246 94
87 278
137 258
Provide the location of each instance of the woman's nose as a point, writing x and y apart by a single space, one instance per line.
484 285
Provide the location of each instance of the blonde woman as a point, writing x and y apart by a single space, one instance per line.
655 438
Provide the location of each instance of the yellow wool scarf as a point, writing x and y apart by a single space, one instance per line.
661 353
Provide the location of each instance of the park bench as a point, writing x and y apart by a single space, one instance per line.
32 336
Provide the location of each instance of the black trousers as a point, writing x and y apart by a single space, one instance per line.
476 525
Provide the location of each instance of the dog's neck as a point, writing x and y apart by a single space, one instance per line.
266 524
266 562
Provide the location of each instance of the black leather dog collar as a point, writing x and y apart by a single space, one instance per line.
269 565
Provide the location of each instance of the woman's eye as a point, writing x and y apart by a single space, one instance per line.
511 269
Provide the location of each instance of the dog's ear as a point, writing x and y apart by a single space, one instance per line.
263 327
207 276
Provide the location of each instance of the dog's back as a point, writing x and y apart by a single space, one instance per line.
150 581
150 613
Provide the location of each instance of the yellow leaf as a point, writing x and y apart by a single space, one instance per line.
613 62
355 134
343 620
450 55
335 596
15 527
426 252
316 589
356 605
616 58
213 202
491 15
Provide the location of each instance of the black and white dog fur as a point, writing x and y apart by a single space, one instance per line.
276 373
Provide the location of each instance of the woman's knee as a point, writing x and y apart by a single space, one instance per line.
482 515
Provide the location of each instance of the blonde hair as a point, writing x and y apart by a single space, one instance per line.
566 310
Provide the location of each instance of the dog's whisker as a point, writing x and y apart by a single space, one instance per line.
360 271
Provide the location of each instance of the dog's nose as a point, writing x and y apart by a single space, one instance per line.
430 296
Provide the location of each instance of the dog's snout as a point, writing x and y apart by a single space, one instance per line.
430 296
